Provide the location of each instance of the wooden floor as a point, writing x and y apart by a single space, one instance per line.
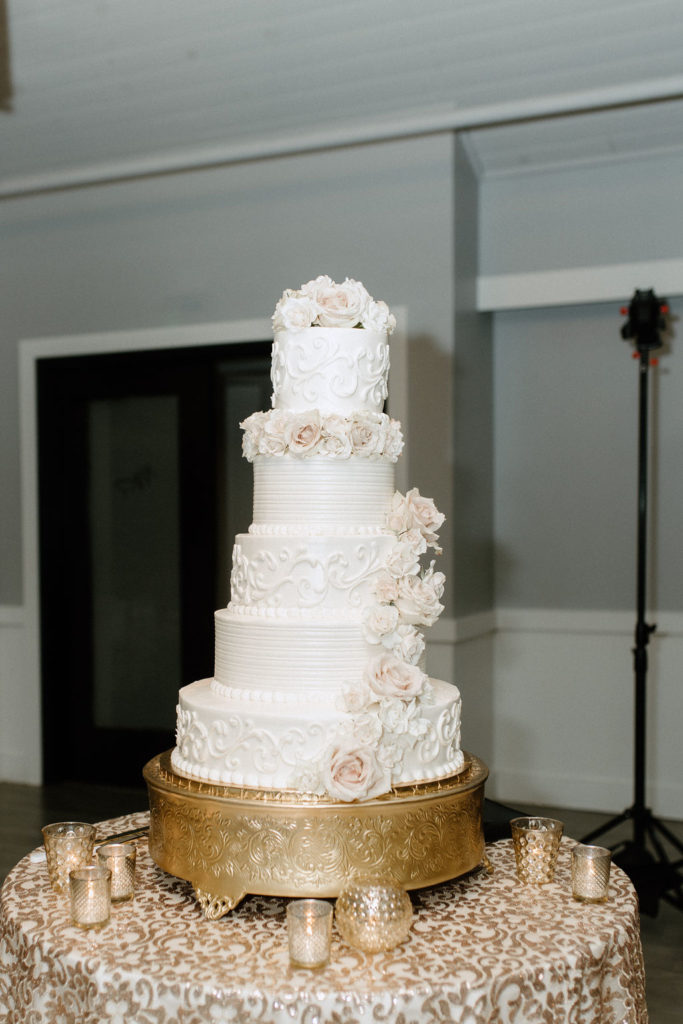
24 809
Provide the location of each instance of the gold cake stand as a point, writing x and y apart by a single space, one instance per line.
230 841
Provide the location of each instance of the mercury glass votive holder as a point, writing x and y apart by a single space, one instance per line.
119 858
590 873
68 845
536 843
90 896
373 915
309 932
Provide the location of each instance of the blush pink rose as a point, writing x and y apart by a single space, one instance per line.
388 677
342 305
304 432
351 772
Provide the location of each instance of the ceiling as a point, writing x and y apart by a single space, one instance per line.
88 83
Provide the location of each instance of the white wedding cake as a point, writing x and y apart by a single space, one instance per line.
319 686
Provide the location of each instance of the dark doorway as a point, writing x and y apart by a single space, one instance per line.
142 488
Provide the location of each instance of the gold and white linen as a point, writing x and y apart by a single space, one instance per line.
481 949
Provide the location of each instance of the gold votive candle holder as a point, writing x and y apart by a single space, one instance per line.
119 858
590 873
90 896
309 932
536 843
373 915
68 845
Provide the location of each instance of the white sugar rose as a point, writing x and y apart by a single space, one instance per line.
425 515
366 730
351 772
294 313
385 587
436 580
341 305
402 560
379 622
306 779
393 440
409 644
335 437
272 440
395 715
367 434
390 753
355 697
312 288
417 601
378 318
304 432
399 518
388 677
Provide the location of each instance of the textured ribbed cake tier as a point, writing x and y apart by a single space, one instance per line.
335 370
306 572
261 744
288 654
319 493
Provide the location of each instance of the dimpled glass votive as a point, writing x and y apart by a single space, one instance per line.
119 858
68 845
90 896
590 873
373 915
309 932
536 843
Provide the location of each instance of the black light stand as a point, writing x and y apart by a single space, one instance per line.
653 873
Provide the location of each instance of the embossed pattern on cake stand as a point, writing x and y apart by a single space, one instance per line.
231 841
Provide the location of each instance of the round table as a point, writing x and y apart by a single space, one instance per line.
481 949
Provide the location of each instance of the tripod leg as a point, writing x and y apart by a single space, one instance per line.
668 835
608 826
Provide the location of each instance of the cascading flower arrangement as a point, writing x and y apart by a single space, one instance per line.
383 707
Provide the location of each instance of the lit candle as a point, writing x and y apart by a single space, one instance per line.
536 844
90 896
120 859
590 873
309 932
68 845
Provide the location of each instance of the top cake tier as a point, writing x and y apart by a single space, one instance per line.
338 370
330 351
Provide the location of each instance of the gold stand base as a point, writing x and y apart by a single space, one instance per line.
230 841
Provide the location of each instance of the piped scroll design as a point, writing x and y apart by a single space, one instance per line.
297 578
325 365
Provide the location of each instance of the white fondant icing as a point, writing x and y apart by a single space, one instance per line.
261 747
306 572
335 370
322 493
302 655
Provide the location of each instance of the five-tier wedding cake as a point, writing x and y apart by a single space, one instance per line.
319 686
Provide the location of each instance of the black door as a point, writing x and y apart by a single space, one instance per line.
141 490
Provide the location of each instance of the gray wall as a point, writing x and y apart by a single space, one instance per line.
566 435
223 244
613 212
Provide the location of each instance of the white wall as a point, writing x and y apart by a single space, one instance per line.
565 486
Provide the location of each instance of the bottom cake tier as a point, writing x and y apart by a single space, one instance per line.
229 842
243 739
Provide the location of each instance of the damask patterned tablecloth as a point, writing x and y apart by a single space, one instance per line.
481 949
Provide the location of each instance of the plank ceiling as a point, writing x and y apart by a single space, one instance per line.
91 82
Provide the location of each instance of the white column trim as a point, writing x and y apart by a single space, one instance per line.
577 285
